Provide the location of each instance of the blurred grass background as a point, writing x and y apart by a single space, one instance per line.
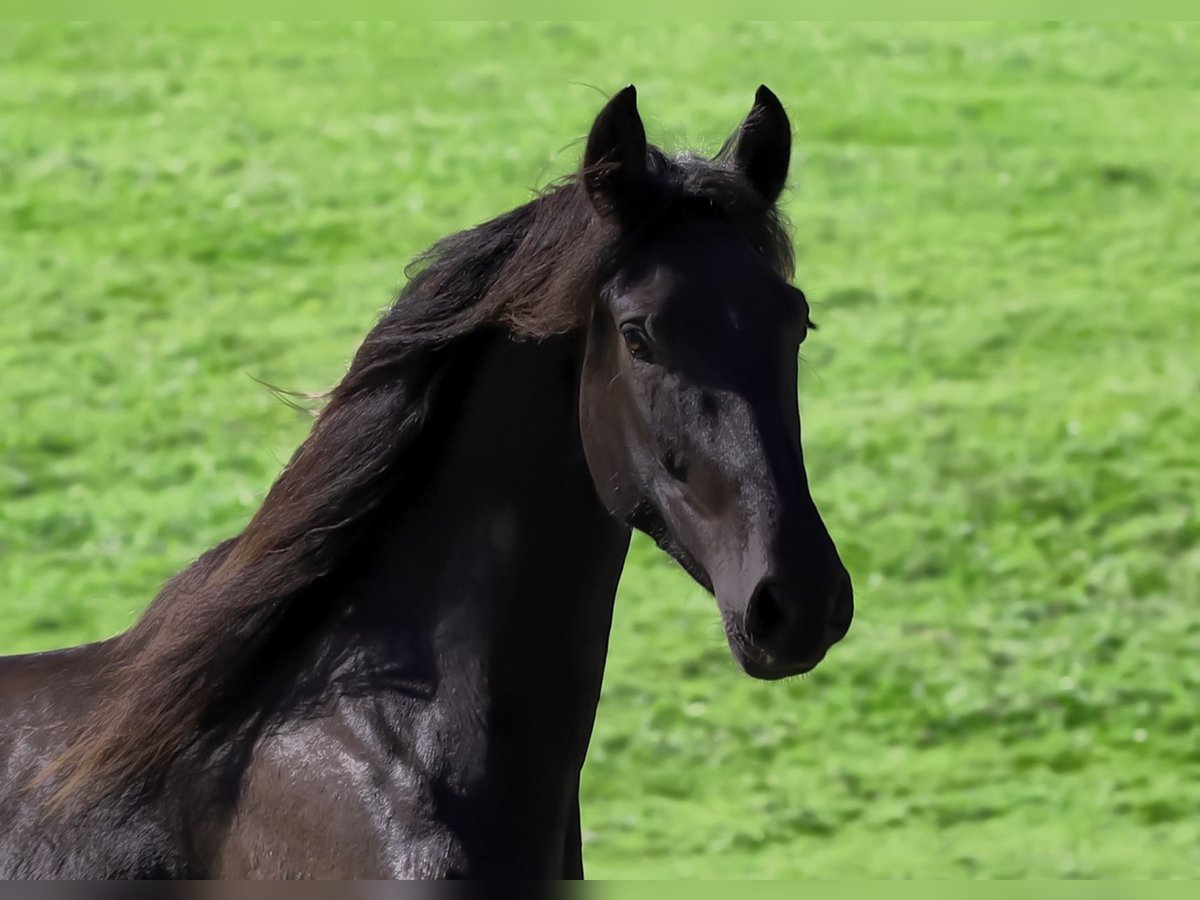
997 226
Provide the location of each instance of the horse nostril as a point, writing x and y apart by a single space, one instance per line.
786 626
765 616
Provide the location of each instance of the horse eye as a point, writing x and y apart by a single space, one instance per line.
637 341
809 326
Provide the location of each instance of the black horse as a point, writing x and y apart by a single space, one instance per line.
394 669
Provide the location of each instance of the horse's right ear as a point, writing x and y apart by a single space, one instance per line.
614 164
762 145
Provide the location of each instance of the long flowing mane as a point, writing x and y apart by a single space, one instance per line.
531 272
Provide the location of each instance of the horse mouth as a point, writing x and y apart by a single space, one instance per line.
762 665
774 671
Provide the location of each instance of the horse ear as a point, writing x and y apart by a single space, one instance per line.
761 148
615 160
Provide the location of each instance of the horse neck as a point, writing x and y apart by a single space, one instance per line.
493 583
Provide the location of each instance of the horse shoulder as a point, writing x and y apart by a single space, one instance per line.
321 799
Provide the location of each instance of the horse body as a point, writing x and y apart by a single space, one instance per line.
427 730
394 670
43 696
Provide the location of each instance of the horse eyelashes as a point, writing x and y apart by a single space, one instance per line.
637 341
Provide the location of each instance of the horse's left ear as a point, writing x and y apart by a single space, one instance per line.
761 148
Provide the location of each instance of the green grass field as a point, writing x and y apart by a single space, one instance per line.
999 228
